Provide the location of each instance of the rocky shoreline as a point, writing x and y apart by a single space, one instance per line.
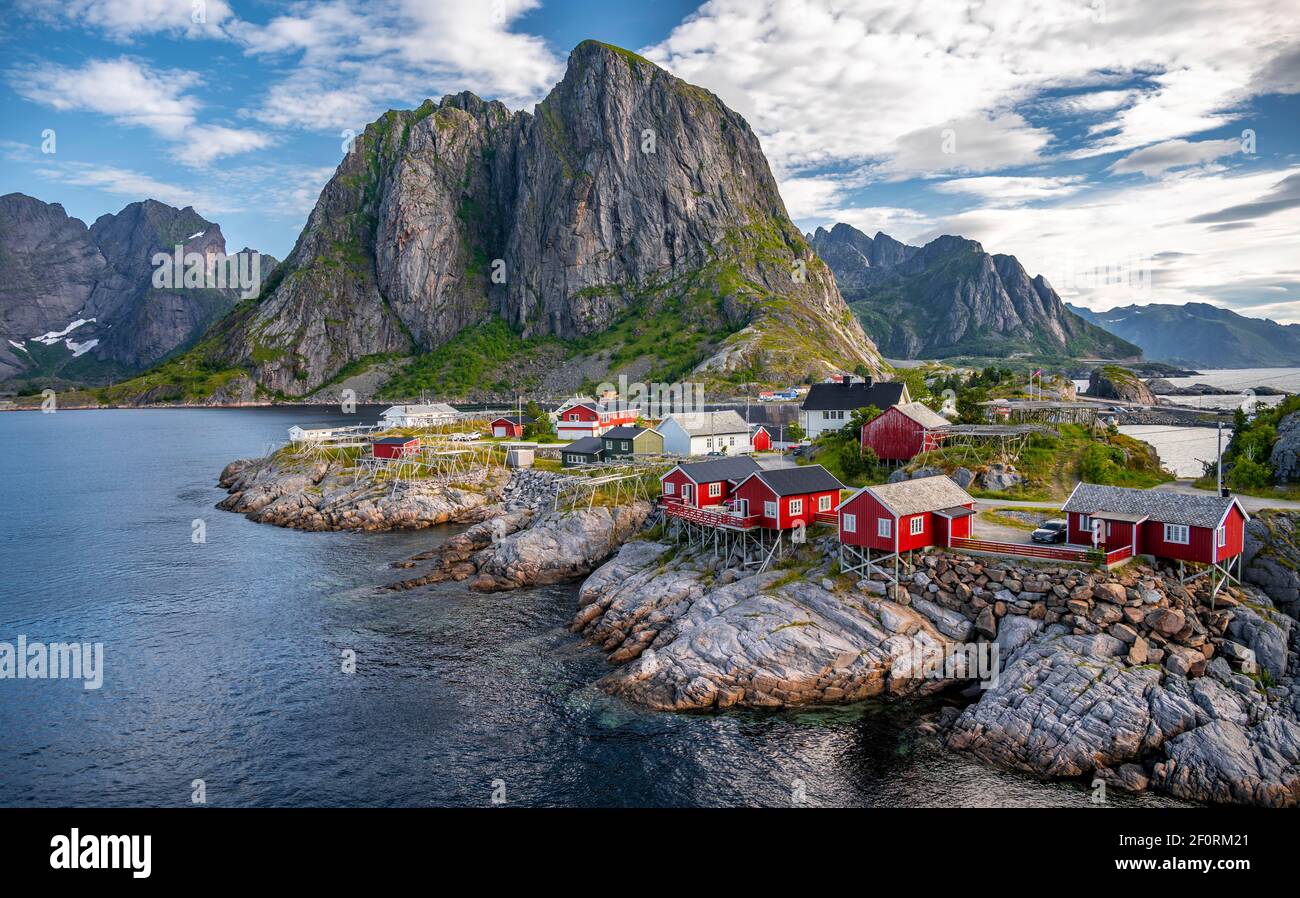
1127 677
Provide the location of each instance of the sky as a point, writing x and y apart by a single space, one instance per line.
1131 152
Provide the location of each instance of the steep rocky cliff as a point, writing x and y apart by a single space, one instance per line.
632 219
79 303
951 298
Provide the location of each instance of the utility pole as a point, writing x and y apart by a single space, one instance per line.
1220 462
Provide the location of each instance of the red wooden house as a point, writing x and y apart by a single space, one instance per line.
704 483
784 498
590 419
1206 530
509 426
395 447
892 518
901 432
760 438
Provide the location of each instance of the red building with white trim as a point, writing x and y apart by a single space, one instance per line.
760 438
704 483
395 447
509 426
1161 523
901 432
784 498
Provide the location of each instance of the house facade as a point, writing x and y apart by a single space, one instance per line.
1160 523
704 483
590 419
509 426
760 438
586 451
830 406
785 498
395 447
700 433
629 440
427 415
908 515
901 432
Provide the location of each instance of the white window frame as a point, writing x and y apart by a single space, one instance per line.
884 528
670 488
824 503
573 459
1221 537
715 489
1178 534
769 509
1085 522
625 445
916 526
849 523
796 507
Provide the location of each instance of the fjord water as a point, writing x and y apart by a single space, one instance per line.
223 661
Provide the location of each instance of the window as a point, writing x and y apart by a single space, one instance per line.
1221 537
769 509
573 416
1085 522
733 441
576 460
885 528
1108 528
709 442
625 445
849 522
715 489
833 416
796 506
1177 533
918 525
823 503
669 488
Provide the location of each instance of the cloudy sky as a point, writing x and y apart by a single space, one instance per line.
1130 151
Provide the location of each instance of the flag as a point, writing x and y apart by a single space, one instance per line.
1038 373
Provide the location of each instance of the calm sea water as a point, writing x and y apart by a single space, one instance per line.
1236 384
223 661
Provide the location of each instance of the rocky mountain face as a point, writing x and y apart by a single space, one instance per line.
630 206
1202 335
951 298
79 303
1114 382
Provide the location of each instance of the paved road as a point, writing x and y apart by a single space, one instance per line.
1251 503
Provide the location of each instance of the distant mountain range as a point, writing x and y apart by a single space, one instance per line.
1202 335
951 298
78 303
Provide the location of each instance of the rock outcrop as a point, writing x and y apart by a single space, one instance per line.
950 297
1285 457
1130 676
1271 557
323 495
1114 382
627 192
80 302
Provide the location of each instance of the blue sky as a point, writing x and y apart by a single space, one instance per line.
1129 151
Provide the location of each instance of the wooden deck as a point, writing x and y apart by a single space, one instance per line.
709 517
1033 550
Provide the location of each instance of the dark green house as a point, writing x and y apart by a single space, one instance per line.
586 451
629 440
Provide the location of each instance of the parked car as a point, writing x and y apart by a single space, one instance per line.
466 437
1053 531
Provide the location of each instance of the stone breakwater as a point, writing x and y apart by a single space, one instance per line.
1128 676
322 495
528 547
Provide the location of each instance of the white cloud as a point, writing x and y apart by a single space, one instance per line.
1014 189
135 95
133 184
1161 157
125 19
875 81
1156 240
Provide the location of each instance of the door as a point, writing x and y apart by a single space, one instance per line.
1096 532
741 507
688 493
